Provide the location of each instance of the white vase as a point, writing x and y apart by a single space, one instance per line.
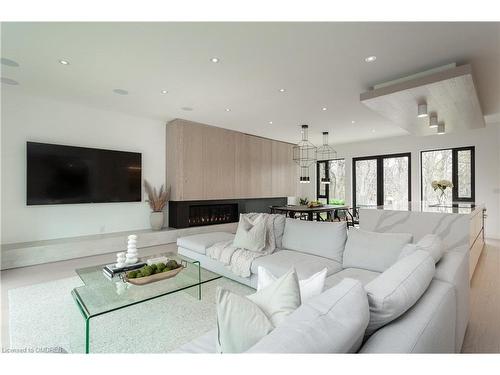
156 220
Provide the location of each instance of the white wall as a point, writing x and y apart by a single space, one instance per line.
28 118
486 141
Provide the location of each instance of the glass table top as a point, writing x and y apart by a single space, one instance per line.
100 294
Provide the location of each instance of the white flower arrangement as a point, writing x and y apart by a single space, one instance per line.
441 185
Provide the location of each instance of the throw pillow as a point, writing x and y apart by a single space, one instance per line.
394 291
333 322
251 235
309 287
373 251
433 245
243 321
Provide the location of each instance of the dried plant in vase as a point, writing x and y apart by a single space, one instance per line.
157 201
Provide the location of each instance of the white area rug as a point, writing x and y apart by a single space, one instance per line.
44 317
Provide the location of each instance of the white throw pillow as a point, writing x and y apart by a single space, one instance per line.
373 251
333 322
309 287
243 321
251 235
394 291
430 243
433 245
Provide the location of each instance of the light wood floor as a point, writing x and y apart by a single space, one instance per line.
482 336
483 331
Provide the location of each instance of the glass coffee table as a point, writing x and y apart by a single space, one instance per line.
101 295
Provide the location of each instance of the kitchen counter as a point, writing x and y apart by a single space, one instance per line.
454 208
460 226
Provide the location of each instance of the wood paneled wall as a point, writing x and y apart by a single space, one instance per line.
206 162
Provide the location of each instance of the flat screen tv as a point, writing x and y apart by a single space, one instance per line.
58 174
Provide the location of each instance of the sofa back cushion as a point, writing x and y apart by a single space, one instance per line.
373 251
333 322
317 238
396 290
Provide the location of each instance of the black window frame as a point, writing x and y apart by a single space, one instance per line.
380 174
454 173
318 179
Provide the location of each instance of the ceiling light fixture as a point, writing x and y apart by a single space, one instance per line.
422 110
270 122
214 60
433 121
353 122
370 59
373 130
228 109
64 62
440 129
324 109
325 151
282 90
304 154
164 91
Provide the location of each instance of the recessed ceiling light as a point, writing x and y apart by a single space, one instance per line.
373 130
64 62
324 109
370 59
9 62
433 121
441 129
270 122
164 91
9 81
353 122
214 60
120 91
187 108
228 109
422 110
282 90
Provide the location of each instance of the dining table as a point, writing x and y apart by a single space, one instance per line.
311 212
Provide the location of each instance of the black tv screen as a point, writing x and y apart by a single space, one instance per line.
59 174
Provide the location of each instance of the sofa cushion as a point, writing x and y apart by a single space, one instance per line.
363 276
373 251
323 239
306 265
201 242
205 343
333 322
397 289
427 327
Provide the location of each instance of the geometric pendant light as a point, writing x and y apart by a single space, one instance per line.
440 128
325 151
304 154
422 110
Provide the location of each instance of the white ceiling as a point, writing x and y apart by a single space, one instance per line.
319 65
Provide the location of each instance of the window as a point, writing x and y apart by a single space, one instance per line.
453 164
332 171
382 179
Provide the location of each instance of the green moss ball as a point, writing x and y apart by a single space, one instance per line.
172 264
147 270
132 274
160 267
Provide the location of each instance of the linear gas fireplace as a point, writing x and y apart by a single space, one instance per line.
183 214
208 214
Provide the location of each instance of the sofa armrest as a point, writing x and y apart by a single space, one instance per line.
453 268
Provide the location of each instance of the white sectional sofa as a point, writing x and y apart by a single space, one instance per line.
436 323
